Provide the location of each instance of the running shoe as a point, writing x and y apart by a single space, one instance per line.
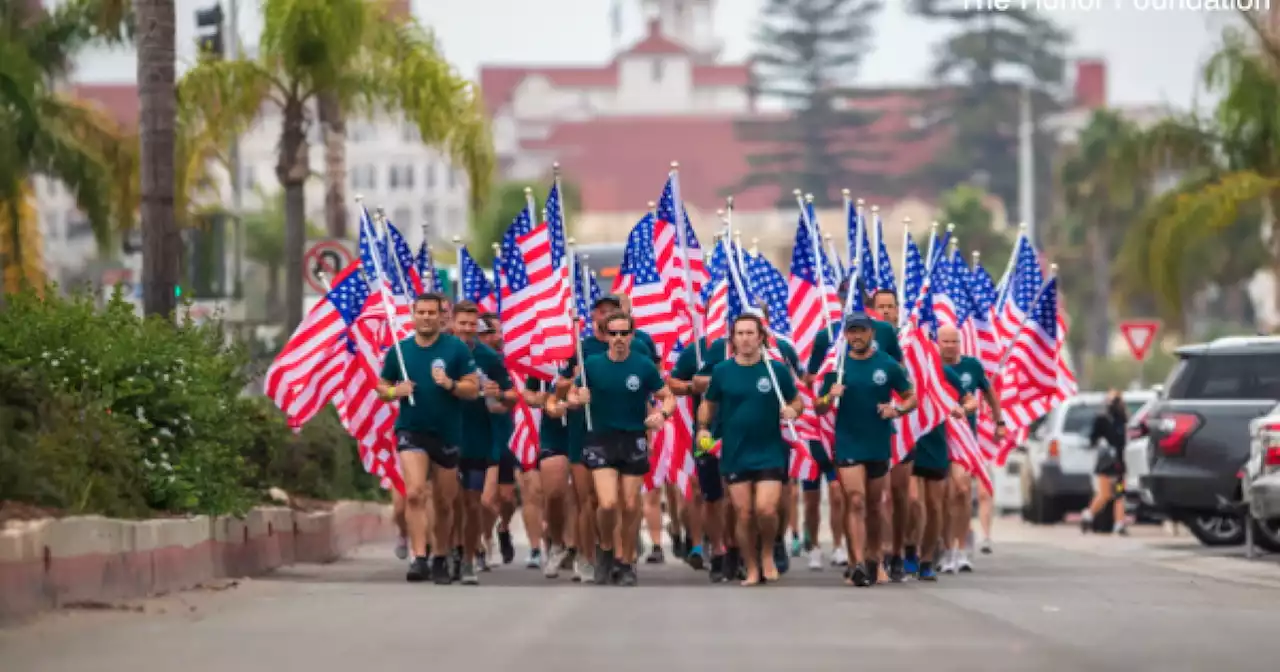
455 564
440 570
986 547
716 573
911 563
570 554
468 574
927 573
897 570
555 555
505 546
948 564
815 559
695 559
604 567
419 570
535 559
797 546
840 557
402 548
860 577
963 565
584 572
655 556
780 558
482 564
626 576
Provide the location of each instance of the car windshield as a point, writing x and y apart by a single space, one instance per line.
1080 417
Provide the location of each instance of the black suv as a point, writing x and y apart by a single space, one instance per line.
1199 432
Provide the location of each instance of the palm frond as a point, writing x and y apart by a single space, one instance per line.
227 95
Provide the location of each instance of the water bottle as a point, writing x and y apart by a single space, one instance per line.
490 402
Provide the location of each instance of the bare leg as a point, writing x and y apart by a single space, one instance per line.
606 488
767 496
444 485
630 515
935 512
876 520
854 481
584 487
745 531
653 516
414 465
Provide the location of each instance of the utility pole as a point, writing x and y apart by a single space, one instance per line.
1026 163
237 195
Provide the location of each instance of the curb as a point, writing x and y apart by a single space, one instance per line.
48 564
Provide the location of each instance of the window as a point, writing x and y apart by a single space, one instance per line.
409 132
453 179
657 69
429 214
407 175
393 178
402 218
370 177
453 221
360 132
1235 376
431 175
248 177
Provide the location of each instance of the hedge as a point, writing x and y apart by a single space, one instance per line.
104 412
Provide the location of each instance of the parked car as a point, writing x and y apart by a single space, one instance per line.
1137 461
1058 475
1006 482
1199 432
1260 482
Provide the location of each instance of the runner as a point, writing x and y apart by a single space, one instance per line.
970 380
617 452
754 456
933 463
402 526
553 466
826 470
438 374
687 380
864 432
905 508
478 468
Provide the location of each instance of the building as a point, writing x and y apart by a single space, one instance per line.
386 163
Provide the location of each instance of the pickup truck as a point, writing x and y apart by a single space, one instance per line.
1199 433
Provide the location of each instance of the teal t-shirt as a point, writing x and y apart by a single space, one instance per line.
973 380
861 434
620 391
884 340
748 412
477 425
435 410
931 449
503 426
556 435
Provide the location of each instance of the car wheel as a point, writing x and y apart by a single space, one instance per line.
1266 533
1217 530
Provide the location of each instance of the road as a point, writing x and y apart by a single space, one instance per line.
1047 600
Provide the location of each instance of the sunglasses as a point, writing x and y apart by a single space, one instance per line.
620 334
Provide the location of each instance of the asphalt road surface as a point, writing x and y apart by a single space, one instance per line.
1047 600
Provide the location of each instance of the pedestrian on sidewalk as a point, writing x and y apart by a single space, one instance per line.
1108 438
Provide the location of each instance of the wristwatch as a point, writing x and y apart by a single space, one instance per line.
666 414
999 423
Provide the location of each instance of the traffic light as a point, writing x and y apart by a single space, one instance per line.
209 23
177 291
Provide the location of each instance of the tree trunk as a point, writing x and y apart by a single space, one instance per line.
292 170
334 124
1098 334
161 245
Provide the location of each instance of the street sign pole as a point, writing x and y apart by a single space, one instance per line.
1141 336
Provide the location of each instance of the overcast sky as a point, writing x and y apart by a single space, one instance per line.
1153 47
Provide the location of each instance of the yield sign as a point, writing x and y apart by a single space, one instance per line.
1140 334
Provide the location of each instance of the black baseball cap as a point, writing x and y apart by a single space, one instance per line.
859 319
607 298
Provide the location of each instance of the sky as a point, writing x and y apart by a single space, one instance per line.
1153 48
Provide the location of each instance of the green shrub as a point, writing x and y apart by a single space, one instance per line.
319 461
64 451
176 388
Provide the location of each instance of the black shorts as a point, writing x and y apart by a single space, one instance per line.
507 468
778 474
709 480
930 474
625 452
438 451
875 468
911 457
471 473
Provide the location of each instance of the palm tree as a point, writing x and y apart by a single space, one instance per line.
1104 180
1233 164
264 243
161 245
348 49
49 134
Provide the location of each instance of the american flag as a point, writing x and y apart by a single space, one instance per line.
586 293
365 416
912 276
475 284
672 264
401 267
715 294
426 268
1034 354
884 267
639 278
525 419
814 303
556 339
535 324
866 263
983 293
768 286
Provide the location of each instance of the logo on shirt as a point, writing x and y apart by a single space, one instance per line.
437 363
633 382
879 377
764 386
875 345
966 379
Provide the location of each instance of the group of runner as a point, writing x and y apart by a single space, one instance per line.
583 501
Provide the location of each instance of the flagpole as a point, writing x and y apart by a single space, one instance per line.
682 236
573 306
367 227
933 242
858 236
902 282
875 244
426 245
1008 352
1013 258
817 257
392 257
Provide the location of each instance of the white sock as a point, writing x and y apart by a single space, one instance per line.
1087 516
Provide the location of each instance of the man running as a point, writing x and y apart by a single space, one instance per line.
687 380
970 380
753 456
438 374
478 467
615 388
864 436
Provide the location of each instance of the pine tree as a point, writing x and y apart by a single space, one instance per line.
988 59
807 51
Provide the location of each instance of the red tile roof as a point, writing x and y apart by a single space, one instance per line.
118 100
655 43
616 161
